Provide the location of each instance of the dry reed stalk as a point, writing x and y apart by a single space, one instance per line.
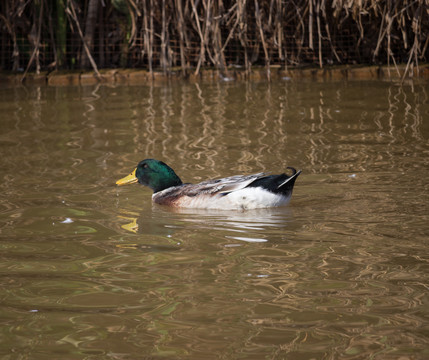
319 33
278 30
163 59
201 58
232 13
147 48
219 58
299 34
328 32
416 26
70 10
181 28
36 44
261 34
151 36
242 34
209 30
310 25
133 11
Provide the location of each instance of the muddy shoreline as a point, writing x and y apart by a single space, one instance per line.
139 76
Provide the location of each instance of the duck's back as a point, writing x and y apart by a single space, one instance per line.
235 192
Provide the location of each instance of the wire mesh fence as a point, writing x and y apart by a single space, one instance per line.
187 35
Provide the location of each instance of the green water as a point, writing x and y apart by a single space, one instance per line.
92 271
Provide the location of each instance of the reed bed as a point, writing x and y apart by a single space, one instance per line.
189 35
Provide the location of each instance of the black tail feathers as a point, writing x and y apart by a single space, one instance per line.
278 184
286 186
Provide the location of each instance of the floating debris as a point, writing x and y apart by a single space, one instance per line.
67 221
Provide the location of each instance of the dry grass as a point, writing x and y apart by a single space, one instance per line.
192 34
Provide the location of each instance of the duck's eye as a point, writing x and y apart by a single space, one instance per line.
145 166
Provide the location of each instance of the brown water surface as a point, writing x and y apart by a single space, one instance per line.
91 271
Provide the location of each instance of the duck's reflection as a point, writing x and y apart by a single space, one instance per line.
249 226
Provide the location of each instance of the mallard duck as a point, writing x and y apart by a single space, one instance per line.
234 192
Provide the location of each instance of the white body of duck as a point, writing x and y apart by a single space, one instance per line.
240 192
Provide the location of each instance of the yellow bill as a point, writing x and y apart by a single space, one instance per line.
130 179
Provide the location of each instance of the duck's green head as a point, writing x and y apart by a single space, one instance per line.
152 173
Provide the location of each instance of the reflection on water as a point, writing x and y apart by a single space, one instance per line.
90 271
251 225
